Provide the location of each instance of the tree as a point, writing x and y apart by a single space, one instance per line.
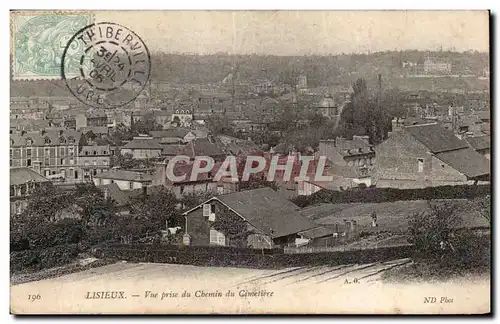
193 199
158 207
93 207
431 230
45 204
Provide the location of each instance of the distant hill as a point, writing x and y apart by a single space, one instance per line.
320 70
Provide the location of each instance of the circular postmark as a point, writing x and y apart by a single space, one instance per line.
106 65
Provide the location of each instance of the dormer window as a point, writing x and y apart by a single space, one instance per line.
62 140
29 141
71 140
47 140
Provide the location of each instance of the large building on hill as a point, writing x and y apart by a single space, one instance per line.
52 153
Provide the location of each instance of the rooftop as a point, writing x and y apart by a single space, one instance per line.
436 138
267 211
125 175
20 176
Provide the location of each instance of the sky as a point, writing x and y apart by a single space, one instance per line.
305 32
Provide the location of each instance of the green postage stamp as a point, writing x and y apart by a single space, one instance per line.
39 40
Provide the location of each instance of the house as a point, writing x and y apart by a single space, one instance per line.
271 220
204 147
53 153
204 182
126 180
307 187
94 159
482 144
142 148
23 181
173 136
428 155
353 159
120 197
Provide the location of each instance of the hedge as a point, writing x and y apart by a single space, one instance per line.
43 258
378 195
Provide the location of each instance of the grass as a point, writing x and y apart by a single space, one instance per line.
391 216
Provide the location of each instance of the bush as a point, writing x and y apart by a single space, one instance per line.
43 258
65 231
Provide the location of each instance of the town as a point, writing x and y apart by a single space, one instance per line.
409 140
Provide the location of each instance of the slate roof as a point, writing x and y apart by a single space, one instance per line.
125 175
144 144
266 210
436 138
172 132
202 147
115 193
479 142
466 161
95 129
22 175
55 137
316 232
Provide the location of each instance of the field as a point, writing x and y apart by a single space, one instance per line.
391 216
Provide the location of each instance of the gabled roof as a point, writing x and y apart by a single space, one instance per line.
436 138
202 147
466 161
125 175
172 132
316 232
145 144
267 211
479 142
119 196
20 176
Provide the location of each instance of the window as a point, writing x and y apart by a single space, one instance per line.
47 173
217 237
47 140
220 190
95 152
182 190
47 152
86 153
29 141
71 151
47 161
104 152
63 172
131 185
28 152
28 162
62 140
62 161
71 140
76 174
71 161
420 165
11 153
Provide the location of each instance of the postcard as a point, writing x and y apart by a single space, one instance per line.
250 162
